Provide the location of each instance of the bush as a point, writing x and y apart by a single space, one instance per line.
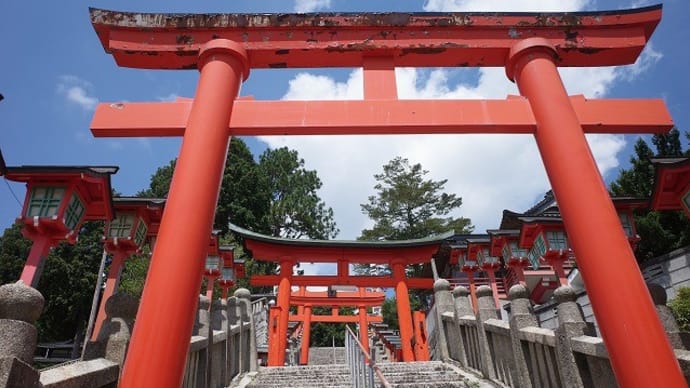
680 305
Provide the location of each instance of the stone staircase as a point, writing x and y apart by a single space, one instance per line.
325 355
430 374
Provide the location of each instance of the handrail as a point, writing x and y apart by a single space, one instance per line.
367 364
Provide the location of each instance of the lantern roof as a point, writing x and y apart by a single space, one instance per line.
94 182
671 182
151 209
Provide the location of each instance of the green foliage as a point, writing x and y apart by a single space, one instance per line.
660 232
407 206
275 196
68 279
14 249
133 275
680 305
323 334
295 209
389 310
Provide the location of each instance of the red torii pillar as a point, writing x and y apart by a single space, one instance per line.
222 64
404 310
600 243
306 333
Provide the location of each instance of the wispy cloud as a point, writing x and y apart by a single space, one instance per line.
311 5
169 98
77 91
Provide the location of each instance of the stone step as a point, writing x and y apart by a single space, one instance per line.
431 374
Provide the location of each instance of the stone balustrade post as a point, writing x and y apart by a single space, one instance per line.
20 307
486 309
247 315
462 307
443 300
113 339
217 373
666 317
572 324
233 344
202 327
521 316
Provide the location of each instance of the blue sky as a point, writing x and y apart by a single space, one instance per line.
54 71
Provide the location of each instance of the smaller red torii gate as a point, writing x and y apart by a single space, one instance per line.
396 254
305 300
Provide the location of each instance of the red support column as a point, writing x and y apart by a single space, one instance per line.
160 342
363 328
111 285
38 254
492 282
306 336
473 290
556 262
404 311
603 253
518 266
283 303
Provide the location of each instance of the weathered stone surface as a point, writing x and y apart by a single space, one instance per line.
20 302
521 316
242 293
15 373
17 339
113 340
122 305
93 373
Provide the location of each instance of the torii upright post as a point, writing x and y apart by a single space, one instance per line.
602 248
183 237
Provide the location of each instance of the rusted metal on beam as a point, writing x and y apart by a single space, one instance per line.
172 41
371 117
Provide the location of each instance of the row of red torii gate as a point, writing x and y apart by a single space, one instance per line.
225 47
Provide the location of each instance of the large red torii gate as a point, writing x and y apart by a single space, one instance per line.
225 46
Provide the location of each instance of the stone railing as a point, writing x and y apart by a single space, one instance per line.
519 353
20 307
223 344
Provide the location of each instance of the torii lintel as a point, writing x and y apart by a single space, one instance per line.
173 41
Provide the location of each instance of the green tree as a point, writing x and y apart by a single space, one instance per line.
324 334
275 196
389 310
407 205
660 232
295 209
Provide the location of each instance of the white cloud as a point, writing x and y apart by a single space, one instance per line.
169 98
311 5
504 5
490 172
77 91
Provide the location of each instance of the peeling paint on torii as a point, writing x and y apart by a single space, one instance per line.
529 45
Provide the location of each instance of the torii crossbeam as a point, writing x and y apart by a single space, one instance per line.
224 47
